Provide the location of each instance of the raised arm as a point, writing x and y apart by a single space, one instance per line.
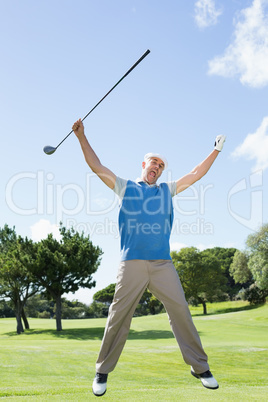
105 174
200 170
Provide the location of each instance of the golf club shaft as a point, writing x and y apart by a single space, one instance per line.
121 79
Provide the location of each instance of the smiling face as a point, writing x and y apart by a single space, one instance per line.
152 169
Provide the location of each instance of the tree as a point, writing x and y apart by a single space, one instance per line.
65 266
200 274
105 295
96 310
6 309
255 295
15 282
225 257
73 309
239 268
148 304
37 305
257 244
102 300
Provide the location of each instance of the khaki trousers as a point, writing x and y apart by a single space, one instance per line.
161 278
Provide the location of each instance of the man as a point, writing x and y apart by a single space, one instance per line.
145 222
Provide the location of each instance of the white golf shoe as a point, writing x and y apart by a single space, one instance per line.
206 378
99 384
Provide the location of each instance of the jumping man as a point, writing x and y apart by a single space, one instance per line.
145 222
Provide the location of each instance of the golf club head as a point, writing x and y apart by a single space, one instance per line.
49 150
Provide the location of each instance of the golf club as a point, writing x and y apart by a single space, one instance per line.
49 150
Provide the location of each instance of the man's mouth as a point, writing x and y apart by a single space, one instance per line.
152 174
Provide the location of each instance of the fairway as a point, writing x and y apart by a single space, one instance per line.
43 365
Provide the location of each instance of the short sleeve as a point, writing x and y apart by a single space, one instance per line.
172 188
120 187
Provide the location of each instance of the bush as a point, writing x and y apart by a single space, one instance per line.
72 312
6 310
44 314
254 295
96 310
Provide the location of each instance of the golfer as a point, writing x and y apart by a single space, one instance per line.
145 222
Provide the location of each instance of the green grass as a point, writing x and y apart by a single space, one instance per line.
44 365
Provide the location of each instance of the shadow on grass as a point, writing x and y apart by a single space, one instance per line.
97 333
73 333
84 334
226 310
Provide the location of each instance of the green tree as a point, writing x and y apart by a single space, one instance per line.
105 295
65 266
257 244
16 283
37 305
148 304
200 274
225 257
239 268
73 309
96 310
6 309
102 300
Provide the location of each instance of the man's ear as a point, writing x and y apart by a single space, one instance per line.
143 164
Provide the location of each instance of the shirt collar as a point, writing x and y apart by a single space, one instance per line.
139 180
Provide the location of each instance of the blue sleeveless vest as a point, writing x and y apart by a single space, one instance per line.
145 222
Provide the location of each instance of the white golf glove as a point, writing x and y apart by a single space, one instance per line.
219 142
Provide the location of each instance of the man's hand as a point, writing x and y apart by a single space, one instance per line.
220 139
78 128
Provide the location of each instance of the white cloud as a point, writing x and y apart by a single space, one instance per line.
255 147
206 13
247 55
42 228
230 245
203 247
176 246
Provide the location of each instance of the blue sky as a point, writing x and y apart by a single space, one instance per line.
206 75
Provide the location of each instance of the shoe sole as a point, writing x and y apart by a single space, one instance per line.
99 394
199 378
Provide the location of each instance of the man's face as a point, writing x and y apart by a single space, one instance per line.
152 170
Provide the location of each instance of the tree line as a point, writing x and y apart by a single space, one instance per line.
34 276
215 274
49 267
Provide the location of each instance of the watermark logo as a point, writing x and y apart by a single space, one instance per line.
249 210
110 227
51 198
54 199
67 201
